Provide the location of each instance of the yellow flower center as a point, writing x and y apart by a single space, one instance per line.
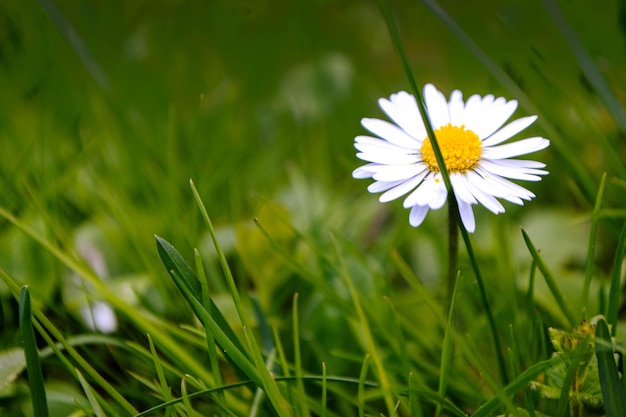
461 149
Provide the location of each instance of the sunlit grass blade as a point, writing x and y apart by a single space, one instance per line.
42 323
267 383
163 339
415 407
183 277
446 349
591 248
221 331
210 341
361 390
324 390
612 394
162 386
549 277
615 289
91 395
301 394
517 384
31 353
371 346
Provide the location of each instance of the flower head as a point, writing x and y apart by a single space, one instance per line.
470 135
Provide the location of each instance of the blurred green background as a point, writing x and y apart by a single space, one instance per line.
108 108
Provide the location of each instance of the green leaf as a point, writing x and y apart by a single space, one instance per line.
614 402
35 376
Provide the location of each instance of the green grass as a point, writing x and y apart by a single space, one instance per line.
278 285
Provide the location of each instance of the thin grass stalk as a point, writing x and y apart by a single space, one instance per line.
210 340
162 385
361 389
615 289
591 248
549 277
415 407
92 397
230 280
301 395
453 252
268 384
612 395
486 306
324 389
31 354
446 350
367 334
395 35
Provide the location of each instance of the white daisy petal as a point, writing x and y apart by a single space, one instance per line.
500 111
395 172
521 147
456 107
417 215
381 143
460 189
402 109
508 131
473 112
509 188
391 133
401 189
362 172
516 173
428 193
387 157
467 216
380 186
476 186
437 106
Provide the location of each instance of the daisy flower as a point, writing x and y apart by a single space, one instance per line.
469 134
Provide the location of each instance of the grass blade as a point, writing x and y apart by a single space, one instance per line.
31 353
214 321
614 401
517 384
549 277
301 393
189 285
593 236
361 390
446 350
615 289
91 396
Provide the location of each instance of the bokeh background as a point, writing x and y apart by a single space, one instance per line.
109 108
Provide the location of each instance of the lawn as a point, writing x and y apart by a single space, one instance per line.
182 232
